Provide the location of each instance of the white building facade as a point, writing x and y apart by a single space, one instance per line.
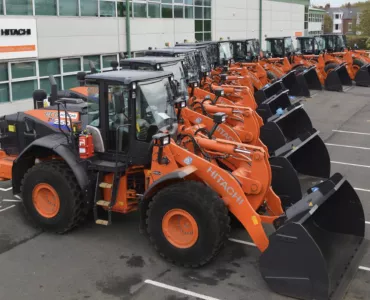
39 38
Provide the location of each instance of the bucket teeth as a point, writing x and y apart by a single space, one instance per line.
103 203
105 185
102 222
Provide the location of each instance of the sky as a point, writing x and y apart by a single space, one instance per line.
334 3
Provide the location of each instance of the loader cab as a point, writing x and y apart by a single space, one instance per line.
127 108
210 48
245 50
310 45
168 64
334 42
280 46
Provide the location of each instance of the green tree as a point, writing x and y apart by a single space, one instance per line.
364 25
328 24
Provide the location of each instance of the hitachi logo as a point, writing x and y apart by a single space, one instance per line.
224 134
8 32
228 189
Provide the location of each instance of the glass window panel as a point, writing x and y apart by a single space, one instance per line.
45 84
189 12
154 10
68 8
89 8
199 37
24 89
198 2
107 8
207 25
166 1
178 1
4 92
208 36
70 81
19 7
49 67
198 12
178 11
167 11
24 69
4 72
121 9
191 2
71 65
140 10
46 7
198 26
207 2
207 13
1 11
108 59
93 58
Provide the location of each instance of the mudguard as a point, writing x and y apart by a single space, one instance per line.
51 144
362 77
319 242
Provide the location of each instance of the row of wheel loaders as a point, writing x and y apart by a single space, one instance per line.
159 136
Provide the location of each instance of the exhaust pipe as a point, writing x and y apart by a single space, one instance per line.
362 77
319 242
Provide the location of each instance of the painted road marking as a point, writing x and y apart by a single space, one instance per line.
348 164
362 190
5 190
347 146
11 200
254 245
17 196
352 132
178 290
9 207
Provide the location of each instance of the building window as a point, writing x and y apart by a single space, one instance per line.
140 10
70 81
336 27
349 26
45 84
71 65
68 8
89 8
154 10
95 59
121 8
178 11
23 89
4 84
203 23
23 80
189 12
108 59
23 69
107 8
45 7
49 67
1 12
167 11
337 16
3 72
19 7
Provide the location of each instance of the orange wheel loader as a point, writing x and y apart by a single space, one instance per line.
117 152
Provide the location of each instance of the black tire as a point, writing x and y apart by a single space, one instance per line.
330 66
72 209
358 62
209 212
271 76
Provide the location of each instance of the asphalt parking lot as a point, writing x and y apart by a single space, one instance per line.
117 262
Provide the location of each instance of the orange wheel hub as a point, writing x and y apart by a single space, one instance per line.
180 228
46 200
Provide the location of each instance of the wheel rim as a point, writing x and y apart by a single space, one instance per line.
180 228
46 200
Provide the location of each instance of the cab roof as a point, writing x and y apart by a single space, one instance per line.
128 76
169 51
278 38
151 60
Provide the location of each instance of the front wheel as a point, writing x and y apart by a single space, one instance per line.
52 199
188 223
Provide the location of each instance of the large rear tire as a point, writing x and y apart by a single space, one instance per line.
188 223
52 199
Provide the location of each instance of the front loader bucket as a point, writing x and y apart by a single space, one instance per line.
362 77
319 242
269 107
311 78
337 78
290 82
268 91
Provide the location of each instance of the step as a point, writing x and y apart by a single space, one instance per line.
102 222
105 185
103 203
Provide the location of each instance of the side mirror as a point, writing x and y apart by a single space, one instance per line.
38 97
180 103
114 65
81 78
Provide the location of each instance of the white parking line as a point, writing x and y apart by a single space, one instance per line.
11 200
348 164
362 190
17 196
9 207
5 190
351 132
253 245
178 290
347 146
